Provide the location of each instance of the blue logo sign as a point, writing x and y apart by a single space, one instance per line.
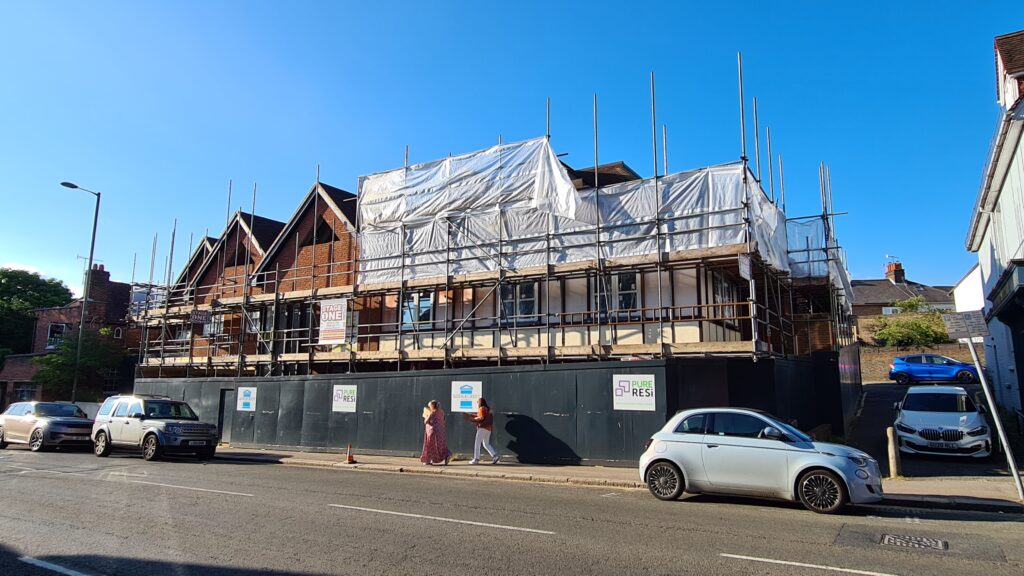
465 389
246 404
247 394
465 404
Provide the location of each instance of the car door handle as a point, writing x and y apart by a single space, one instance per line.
712 445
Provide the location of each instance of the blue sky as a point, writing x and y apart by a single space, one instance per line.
158 105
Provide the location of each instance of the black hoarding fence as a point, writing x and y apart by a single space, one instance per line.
543 414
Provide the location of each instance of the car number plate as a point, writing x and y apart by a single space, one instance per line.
941 445
78 437
197 442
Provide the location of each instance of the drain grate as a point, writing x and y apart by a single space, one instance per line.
917 542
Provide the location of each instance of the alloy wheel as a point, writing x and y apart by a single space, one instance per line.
150 448
821 492
665 481
35 441
100 445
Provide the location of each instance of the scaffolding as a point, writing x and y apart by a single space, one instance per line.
513 267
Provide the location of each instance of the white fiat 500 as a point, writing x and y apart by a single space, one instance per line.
942 420
751 453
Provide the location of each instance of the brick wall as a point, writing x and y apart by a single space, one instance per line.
875 360
335 258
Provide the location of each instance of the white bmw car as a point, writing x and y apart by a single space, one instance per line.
942 420
750 453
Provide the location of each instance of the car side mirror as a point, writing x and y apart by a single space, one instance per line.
138 415
896 406
771 433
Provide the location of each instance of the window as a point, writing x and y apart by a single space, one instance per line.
214 326
25 391
692 425
55 335
107 406
742 425
941 360
913 360
519 303
136 408
118 334
14 410
624 294
937 402
59 410
417 307
891 310
169 409
111 381
723 292
122 409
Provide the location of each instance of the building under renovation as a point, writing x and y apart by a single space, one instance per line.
507 263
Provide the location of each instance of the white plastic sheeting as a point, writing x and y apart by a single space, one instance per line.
809 258
526 174
423 224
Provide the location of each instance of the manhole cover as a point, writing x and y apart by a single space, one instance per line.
914 542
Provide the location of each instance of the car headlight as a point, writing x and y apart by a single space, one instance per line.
860 461
904 428
979 431
173 430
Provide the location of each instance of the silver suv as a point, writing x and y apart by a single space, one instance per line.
44 425
155 424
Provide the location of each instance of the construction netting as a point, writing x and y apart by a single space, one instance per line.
513 206
814 253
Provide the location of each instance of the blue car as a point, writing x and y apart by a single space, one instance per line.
931 368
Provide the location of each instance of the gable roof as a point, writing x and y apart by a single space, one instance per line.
885 292
608 174
1010 48
264 232
202 250
341 202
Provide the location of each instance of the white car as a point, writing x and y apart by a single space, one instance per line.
942 420
750 453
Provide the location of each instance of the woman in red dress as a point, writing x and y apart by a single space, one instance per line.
435 442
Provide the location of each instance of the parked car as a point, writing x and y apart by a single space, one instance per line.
156 425
931 368
44 425
750 453
942 420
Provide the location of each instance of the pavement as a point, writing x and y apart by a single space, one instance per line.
981 494
74 513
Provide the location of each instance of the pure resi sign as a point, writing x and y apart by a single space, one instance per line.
633 392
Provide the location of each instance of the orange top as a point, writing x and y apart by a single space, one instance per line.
483 419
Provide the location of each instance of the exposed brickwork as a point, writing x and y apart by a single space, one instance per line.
335 252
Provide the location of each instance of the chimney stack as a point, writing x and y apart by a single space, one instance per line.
895 273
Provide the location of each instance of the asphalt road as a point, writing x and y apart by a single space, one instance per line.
121 515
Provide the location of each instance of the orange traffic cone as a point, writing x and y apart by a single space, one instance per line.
349 458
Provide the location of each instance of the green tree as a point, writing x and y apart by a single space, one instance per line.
912 305
20 293
100 354
924 329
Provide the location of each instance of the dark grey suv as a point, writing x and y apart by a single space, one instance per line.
156 425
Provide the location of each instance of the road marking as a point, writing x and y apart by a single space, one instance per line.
189 488
610 494
408 515
26 469
802 565
50 566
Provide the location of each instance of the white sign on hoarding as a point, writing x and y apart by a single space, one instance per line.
333 321
633 392
465 395
344 399
246 399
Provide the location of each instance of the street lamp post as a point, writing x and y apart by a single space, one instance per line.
88 281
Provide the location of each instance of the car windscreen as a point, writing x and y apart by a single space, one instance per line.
168 409
937 402
59 410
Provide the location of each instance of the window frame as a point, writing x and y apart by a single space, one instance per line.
118 412
518 317
614 284
413 303
704 425
53 342
714 431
